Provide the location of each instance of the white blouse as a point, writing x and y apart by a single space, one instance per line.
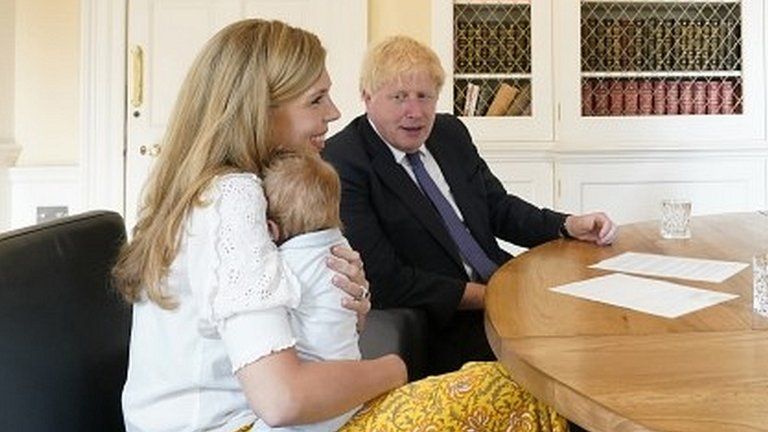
234 295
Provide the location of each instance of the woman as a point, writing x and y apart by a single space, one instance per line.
211 347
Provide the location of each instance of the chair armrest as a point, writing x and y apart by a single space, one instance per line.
397 331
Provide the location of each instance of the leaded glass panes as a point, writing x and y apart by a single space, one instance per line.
492 57
661 58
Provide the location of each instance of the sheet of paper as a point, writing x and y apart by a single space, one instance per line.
671 266
651 296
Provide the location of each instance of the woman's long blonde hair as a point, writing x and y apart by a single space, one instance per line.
220 123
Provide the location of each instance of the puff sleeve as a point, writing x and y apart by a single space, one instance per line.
251 289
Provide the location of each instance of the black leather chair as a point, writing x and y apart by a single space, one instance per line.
400 331
64 331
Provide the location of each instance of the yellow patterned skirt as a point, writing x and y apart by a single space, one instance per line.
479 397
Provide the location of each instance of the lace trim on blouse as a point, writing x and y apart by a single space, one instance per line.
250 274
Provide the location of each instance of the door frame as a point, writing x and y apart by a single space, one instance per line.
102 103
103 93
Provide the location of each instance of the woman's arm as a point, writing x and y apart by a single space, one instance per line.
282 390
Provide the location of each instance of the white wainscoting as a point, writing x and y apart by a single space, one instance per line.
527 174
43 186
631 189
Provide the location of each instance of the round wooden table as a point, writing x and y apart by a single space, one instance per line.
608 368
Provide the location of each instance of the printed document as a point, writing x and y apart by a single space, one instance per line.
672 266
650 296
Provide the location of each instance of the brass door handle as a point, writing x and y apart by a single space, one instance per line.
151 151
137 73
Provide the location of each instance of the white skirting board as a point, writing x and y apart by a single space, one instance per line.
34 188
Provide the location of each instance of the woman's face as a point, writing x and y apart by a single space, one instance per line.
302 123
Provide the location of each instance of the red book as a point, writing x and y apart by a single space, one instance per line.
587 98
713 97
673 97
617 98
601 98
686 97
631 98
726 92
659 93
700 97
646 97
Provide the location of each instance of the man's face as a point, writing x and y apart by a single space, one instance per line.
403 110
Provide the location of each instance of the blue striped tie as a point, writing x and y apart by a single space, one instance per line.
470 250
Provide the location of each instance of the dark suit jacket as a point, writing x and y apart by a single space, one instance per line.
410 259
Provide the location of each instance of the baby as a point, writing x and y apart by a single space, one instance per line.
303 194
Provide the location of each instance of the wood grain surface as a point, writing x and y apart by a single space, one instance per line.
609 368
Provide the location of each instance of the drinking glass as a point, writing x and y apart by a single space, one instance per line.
675 218
760 284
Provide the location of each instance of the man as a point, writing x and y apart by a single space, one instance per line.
423 208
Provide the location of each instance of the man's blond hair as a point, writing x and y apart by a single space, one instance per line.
303 194
395 57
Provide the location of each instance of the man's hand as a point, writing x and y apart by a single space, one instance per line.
474 297
592 227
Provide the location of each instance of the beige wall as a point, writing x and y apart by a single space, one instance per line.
47 95
408 17
6 70
47 61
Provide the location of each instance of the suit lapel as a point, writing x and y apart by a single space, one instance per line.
401 184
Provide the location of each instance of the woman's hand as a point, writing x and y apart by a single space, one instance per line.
351 278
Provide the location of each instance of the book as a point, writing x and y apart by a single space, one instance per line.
587 98
502 100
657 39
699 97
733 44
484 97
601 98
645 97
686 97
522 102
727 98
659 97
470 99
616 97
673 97
713 97
631 98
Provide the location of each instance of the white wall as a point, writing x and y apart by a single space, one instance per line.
32 187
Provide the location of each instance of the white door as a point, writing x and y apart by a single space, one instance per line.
165 35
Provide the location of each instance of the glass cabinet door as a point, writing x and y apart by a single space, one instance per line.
666 70
496 56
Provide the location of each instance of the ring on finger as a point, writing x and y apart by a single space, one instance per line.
365 294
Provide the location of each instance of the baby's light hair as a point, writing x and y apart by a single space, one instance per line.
303 193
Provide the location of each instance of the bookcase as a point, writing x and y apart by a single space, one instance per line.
497 58
631 101
659 71
661 58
